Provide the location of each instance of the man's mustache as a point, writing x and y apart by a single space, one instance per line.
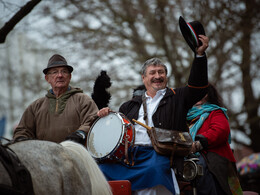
156 80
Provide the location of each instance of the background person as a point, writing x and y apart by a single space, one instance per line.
64 113
210 130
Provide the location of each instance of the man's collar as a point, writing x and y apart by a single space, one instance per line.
160 92
51 90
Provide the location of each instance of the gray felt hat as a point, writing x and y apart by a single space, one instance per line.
57 61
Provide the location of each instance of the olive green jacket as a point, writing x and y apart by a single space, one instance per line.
53 119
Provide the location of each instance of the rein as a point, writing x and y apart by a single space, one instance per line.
19 174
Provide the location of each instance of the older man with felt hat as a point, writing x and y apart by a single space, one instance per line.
63 113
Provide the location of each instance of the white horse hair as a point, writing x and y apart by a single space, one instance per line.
99 183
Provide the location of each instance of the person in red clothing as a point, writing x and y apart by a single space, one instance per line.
209 128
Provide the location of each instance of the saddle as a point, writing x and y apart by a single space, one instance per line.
19 174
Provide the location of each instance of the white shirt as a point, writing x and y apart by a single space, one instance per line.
142 137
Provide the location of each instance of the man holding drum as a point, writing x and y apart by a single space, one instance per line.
167 109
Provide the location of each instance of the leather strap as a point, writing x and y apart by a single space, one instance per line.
126 160
19 174
146 121
145 108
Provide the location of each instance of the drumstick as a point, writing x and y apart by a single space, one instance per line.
145 126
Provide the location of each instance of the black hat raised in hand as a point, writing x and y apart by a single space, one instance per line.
191 32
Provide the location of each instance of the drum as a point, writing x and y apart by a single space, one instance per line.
110 136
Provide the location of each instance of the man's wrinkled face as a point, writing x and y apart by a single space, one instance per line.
155 78
58 77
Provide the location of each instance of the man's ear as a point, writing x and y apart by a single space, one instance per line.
47 78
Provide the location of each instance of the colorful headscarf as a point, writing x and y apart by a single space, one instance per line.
202 112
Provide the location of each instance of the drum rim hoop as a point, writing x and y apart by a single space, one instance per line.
120 116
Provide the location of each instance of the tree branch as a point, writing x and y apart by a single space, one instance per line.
6 29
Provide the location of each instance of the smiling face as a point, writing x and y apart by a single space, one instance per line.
58 78
154 79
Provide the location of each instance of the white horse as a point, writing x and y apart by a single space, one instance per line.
65 168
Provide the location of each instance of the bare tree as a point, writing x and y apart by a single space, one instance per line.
134 31
236 59
26 9
123 34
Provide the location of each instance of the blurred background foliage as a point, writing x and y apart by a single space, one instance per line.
118 36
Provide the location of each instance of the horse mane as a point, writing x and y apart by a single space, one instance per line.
97 177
